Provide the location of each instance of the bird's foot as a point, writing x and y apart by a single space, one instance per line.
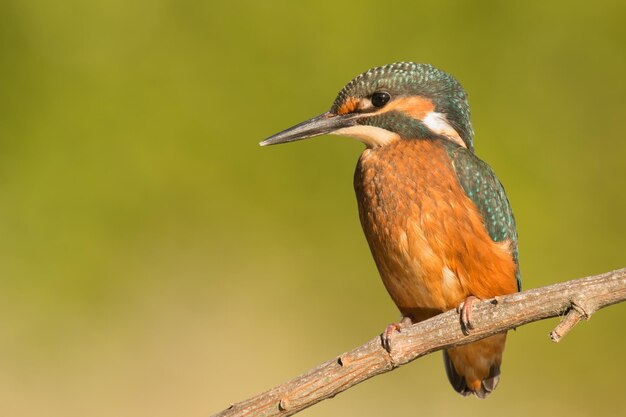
391 330
465 310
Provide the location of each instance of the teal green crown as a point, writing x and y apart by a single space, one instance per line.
411 79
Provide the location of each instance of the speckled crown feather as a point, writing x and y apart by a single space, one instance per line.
409 78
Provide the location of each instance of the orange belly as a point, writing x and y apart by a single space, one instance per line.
426 236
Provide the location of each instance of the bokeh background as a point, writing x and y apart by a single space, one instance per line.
154 261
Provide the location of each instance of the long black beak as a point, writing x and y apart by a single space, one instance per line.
321 125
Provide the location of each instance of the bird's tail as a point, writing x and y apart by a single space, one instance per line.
475 368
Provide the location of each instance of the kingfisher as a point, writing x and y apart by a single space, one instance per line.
437 220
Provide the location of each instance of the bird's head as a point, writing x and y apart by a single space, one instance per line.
400 101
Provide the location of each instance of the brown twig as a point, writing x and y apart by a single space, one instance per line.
576 299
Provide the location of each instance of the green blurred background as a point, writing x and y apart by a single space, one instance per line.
155 261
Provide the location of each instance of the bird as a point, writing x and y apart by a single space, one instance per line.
436 217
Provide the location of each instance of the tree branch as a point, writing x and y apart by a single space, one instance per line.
575 299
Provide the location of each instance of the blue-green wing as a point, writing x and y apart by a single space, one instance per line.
483 187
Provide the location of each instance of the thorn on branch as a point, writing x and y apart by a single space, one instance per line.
283 404
342 360
575 313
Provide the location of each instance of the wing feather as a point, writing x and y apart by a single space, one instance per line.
483 187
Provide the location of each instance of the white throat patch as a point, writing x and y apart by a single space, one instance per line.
371 136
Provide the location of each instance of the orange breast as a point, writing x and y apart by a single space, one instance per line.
427 237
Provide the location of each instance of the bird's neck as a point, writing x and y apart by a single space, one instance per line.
403 125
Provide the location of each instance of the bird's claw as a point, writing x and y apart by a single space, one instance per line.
388 334
465 310
391 330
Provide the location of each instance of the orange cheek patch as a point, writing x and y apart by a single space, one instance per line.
349 106
416 107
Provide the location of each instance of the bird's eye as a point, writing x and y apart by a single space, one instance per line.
380 98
